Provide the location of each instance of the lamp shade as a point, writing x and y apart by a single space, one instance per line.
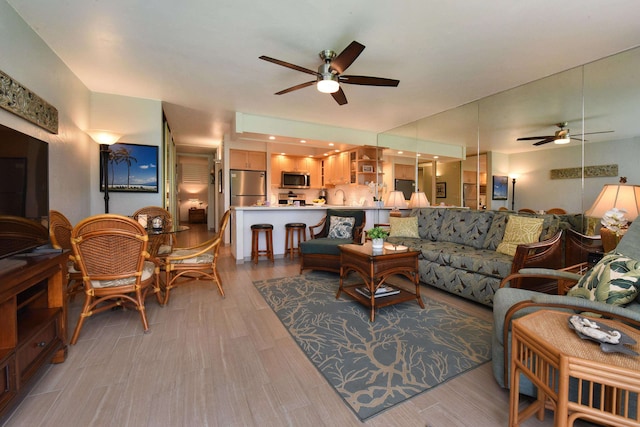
619 196
104 136
419 200
396 200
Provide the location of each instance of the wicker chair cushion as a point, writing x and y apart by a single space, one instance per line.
164 249
147 272
71 267
199 259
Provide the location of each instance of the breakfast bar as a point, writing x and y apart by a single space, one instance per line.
242 217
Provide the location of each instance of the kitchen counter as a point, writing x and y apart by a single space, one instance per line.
306 207
243 217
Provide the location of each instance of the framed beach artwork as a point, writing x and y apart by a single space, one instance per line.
500 186
132 168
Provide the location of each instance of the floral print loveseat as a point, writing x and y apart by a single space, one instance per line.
458 249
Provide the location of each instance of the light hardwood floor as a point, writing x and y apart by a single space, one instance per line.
209 361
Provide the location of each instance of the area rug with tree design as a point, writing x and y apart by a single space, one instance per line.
375 365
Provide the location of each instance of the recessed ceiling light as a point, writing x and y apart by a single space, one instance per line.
303 141
272 137
283 154
310 155
337 151
418 155
400 152
436 157
331 144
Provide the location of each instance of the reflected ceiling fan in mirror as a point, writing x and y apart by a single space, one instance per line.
329 75
562 136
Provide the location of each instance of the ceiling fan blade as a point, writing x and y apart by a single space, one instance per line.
367 80
288 65
545 141
341 62
340 97
296 87
531 138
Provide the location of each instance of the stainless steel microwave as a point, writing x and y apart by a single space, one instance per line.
295 180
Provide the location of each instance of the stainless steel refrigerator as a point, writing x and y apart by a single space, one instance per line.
247 187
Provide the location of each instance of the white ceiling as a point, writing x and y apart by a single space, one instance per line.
200 57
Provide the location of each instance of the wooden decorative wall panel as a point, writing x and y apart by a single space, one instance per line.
589 172
20 101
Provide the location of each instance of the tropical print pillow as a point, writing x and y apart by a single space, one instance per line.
613 280
341 227
520 230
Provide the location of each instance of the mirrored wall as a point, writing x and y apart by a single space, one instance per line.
466 156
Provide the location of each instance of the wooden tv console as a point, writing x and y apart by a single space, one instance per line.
33 320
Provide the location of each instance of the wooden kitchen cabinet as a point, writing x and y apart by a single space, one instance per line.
247 160
405 171
365 165
33 320
282 163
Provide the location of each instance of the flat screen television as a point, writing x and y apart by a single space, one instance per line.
24 184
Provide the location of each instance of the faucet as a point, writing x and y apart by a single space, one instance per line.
344 196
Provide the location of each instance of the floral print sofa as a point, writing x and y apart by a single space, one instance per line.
458 249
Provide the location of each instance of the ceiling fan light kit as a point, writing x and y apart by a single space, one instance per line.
329 74
561 136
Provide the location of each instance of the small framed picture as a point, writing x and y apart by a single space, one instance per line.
441 190
500 185
367 168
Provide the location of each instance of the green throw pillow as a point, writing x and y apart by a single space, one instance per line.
520 230
404 227
341 227
613 280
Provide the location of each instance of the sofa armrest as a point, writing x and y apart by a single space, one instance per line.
545 254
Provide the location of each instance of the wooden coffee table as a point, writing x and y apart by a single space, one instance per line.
375 267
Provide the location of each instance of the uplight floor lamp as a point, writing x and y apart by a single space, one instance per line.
513 194
105 139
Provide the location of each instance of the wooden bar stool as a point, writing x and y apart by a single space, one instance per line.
255 237
293 228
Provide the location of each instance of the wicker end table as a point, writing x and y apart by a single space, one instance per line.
552 356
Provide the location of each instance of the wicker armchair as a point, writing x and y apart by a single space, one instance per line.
19 234
60 234
159 244
111 251
200 260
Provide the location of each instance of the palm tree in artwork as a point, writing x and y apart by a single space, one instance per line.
123 155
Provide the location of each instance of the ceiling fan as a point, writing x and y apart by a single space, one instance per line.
562 136
329 74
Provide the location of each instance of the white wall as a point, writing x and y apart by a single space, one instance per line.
27 59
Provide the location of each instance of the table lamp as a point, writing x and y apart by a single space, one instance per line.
419 200
396 201
621 196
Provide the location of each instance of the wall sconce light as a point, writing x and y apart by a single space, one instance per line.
104 138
